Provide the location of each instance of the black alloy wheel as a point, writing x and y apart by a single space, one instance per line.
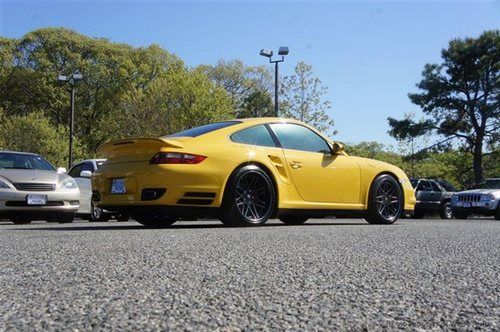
446 212
97 214
156 220
386 200
249 199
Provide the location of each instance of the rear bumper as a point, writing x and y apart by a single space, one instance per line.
182 185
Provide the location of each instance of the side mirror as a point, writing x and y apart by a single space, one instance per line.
337 148
62 170
85 174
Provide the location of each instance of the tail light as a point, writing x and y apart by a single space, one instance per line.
176 158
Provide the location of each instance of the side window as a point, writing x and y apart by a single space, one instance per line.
75 171
87 166
424 185
434 186
257 135
296 137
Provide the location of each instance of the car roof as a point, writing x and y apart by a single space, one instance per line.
20 152
87 160
267 120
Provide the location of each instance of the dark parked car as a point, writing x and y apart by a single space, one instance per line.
433 196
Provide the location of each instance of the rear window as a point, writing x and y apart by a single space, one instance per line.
197 131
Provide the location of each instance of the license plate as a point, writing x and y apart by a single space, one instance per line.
118 186
36 199
467 204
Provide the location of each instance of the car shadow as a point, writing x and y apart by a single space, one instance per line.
92 227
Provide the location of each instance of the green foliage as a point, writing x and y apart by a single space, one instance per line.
460 97
302 98
241 82
178 101
257 104
119 81
34 133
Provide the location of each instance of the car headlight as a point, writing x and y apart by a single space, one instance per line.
68 184
454 198
4 185
487 197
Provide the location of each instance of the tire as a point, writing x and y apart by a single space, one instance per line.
20 220
293 220
386 200
155 220
97 214
460 215
249 198
497 213
446 212
122 217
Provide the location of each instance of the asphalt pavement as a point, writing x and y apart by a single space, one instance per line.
328 274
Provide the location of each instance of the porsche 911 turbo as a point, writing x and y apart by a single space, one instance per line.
245 172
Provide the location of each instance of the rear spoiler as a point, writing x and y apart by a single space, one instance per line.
137 146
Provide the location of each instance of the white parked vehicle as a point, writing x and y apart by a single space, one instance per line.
82 173
484 200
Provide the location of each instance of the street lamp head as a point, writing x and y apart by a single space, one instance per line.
62 78
266 53
283 50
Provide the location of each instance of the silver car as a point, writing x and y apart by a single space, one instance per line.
32 189
484 199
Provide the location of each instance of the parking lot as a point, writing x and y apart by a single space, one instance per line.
326 274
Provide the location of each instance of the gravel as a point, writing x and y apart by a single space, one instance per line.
329 274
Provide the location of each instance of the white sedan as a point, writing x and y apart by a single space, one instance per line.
82 173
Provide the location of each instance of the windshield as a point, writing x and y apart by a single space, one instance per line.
489 184
197 131
10 160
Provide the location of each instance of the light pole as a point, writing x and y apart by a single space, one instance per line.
72 80
283 50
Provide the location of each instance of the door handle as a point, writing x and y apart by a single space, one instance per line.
295 164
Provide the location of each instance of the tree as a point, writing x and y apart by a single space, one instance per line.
257 104
122 85
112 71
34 133
303 98
460 98
240 81
177 101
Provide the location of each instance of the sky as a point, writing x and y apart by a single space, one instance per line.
369 54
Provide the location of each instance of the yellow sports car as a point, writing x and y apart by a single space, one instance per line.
246 171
